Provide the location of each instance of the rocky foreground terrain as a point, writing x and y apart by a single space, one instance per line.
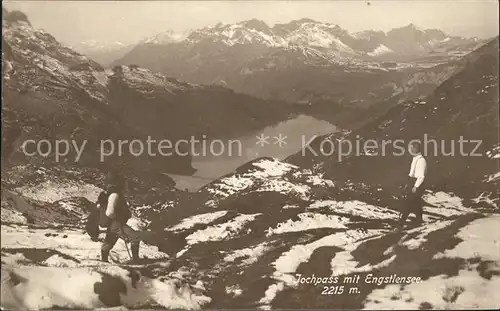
256 237
246 245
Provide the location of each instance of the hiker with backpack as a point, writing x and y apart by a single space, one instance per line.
114 214
415 187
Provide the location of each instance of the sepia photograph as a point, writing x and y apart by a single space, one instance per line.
258 155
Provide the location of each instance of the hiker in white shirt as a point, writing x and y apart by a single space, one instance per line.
415 187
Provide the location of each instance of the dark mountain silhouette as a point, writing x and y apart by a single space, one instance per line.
464 107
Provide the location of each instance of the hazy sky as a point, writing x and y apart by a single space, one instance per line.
129 21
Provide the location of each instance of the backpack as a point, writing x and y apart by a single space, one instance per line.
95 216
102 201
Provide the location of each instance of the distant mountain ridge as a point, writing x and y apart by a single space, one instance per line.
102 52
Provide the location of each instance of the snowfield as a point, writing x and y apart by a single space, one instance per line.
472 287
50 191
267 175
37 265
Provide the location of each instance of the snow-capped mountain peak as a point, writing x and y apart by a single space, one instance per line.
256 24
97 46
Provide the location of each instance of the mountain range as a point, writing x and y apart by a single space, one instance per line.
305 61
406 41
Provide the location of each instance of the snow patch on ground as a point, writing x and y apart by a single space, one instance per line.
290 261
221 231
447 204
138 224
428 228
480 238
74 243
494 153
467 290
14 259
471 291
485 198
251 254
190 222
356 208
59 261
50 191
218 232
285 187
492 177
287 264
317 180
12 216
308 221
40 288
230 185
270 294
272 168
344 262
380 50
265 170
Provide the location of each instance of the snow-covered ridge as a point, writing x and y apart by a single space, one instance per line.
307 33
147 81
266 175
62 65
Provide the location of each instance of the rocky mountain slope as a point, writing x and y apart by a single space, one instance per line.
102 52
404 42
464 108
307 61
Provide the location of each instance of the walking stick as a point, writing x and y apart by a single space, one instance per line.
128 251
125 241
